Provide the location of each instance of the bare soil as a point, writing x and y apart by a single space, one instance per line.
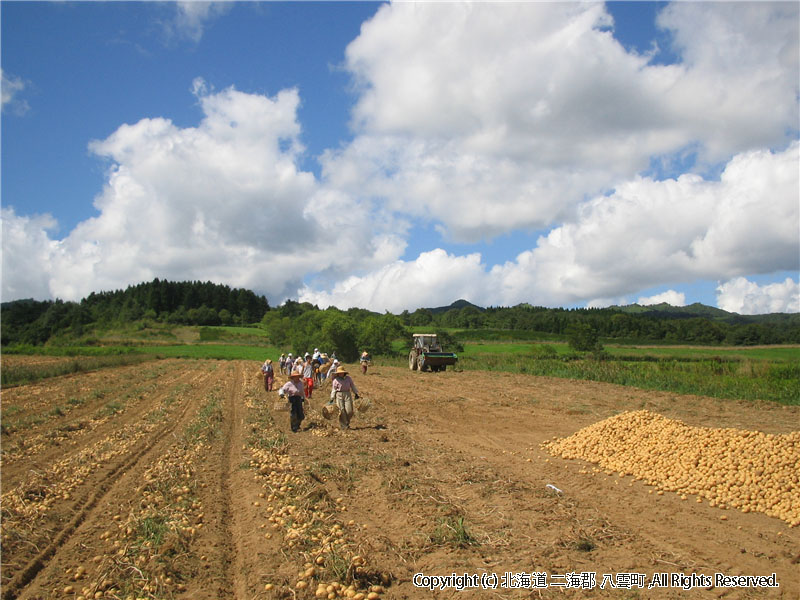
179 479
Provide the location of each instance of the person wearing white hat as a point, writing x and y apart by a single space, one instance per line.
332 370
295 389
289 363
269 374
341 389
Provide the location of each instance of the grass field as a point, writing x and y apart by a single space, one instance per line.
771 374
215 351
473 349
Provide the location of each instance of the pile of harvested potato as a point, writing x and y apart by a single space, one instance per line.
731 468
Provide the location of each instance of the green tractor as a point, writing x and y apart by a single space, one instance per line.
426 354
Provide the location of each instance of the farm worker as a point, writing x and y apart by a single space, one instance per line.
269 374
341 388
289 363
365 360
294 388
282 362
308 376
316 354
332 370
321 369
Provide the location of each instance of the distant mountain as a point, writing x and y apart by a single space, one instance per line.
659 311
458 304
691 310
667 311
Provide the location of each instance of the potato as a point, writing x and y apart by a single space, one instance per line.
731 468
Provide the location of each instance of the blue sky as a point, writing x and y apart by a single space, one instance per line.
392 156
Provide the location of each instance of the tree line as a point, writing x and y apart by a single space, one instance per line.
690 326
179 303
301 325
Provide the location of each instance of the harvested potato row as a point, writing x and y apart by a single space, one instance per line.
748 470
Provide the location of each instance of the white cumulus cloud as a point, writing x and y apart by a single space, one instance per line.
223 201
745 297
474 120
647 233
492 117
435 278
27 251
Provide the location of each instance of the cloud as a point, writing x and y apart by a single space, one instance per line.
26 255
670 297
515 113
474 120
11 88
741 73
435 278
647 233
745 297
192 16
223 201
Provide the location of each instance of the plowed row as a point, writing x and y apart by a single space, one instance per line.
178 479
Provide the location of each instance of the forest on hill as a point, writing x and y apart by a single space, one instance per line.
208 304
185 303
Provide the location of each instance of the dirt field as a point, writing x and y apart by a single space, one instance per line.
178 479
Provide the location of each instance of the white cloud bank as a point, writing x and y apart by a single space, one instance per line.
747 298
478 119
647 233
496 117
223 201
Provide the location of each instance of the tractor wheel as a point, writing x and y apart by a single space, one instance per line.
412 361
421 363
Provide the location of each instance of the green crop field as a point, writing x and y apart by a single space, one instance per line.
215 351
761 373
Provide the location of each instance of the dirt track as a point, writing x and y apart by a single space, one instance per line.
178 479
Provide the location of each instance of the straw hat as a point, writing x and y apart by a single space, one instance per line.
296 373
340 371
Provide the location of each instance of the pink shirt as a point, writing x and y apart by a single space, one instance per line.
344 384
292 388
